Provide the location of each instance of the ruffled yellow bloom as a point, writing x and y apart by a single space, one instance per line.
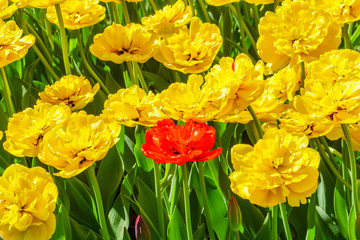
240 81
74 146
124 43
27 202
78 13
26 129
270 105
311 125
164 21
185 101
13 47
191 50
298 32
341 11
72 90
133 106
280 166
36 3
7 11
332 87
118 1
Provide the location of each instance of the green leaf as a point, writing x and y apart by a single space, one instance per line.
351 226
109 176
147 204
155 80
265 230
63 228
142 161
325 227
176 228
84 205
200 233
119 218
341 213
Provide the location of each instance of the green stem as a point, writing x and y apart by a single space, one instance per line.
302 64
158 200
243 25
354 194
45 63
115 10
256 15
205 200
191 4
285 221
40 42
187 203
329 163
64 42
48 28
131 73
140 76
346 38
125 11
256 120
99 204
153 5
242 34
328 151
274 224
7 93
204 10
87 65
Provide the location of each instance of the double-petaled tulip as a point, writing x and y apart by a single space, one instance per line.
71 90
279 167
125 43
297 32
78 13
27 202
170 143
74 146
13 46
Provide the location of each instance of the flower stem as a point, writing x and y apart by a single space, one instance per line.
243 25
46 64
64 43
125 11
285 221
329 163
204 10
354 194
205 201
131 73
346 38
191 4
328 151
302 65
158 200
140 76
256 120
187 203
113 7
99 204
87 65
274 224
153 5
6 88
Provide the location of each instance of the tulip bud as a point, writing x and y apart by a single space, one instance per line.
357 227
234 215
142 231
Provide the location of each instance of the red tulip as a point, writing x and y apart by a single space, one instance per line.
170 143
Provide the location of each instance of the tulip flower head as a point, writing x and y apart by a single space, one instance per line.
170 143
